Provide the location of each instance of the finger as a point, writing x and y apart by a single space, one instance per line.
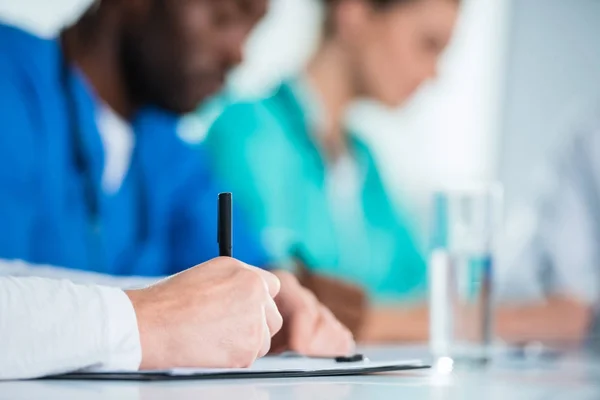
303 321
266 340
301 327
344 339
273 317
331 338
272 282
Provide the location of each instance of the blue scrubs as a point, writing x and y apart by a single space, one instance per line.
161 221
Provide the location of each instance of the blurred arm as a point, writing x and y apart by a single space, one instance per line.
557 319
22 269
396 324
51 327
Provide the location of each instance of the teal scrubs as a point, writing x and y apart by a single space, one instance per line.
265 154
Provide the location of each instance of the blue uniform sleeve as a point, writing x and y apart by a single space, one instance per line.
18 163
195 228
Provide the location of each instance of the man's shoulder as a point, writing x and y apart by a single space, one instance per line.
24 75
12 32
21 47
28 68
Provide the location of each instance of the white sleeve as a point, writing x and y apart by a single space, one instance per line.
55 326
17 268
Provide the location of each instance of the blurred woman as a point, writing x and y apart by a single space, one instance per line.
311 185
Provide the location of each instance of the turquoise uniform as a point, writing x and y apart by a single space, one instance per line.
265 154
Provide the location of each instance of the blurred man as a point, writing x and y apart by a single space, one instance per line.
558 275
94 177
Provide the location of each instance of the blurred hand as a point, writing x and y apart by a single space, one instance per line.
557 319
348 302
220 314
309 327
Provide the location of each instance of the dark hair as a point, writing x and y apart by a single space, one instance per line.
374 2
329 4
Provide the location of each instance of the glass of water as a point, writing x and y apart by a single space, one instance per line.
465 227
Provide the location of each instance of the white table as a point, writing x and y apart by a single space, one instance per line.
571 377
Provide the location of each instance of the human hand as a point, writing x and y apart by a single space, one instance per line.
220 314
309 327
348 302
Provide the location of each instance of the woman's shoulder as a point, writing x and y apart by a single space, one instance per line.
254 112
252 121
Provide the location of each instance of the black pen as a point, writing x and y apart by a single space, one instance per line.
224 228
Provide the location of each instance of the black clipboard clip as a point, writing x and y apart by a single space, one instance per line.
351 359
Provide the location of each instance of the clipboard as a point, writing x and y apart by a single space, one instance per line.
268 367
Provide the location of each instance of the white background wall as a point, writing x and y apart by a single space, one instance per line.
553 76
448 134
552 85
44 17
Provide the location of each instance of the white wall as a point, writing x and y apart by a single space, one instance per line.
553 79
44 17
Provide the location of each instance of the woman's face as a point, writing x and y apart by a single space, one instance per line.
395 49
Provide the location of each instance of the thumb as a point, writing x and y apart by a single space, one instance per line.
301 327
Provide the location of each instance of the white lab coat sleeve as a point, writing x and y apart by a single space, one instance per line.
18 268
51 326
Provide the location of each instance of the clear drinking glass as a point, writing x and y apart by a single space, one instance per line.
465 226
